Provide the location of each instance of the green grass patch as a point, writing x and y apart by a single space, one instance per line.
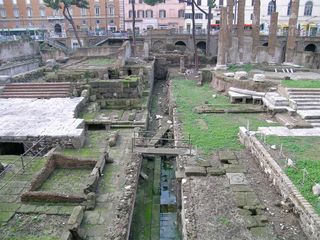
216 131
100 61
304 152
244 67
69 181
93 148
301 83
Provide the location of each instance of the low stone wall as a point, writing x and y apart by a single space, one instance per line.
50 197
19 67
130 87
18 50
57 160
222 83
309 219
28 76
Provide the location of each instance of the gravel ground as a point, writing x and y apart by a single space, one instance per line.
284 223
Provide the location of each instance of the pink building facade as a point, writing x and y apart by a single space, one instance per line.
166 15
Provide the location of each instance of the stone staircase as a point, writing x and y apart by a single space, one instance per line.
36 90
307 103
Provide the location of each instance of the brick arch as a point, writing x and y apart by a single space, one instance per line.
311 47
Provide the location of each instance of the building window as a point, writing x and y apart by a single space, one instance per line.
162 14
140 1
56 12
1 2
28 2
3 12
181 13
98 21
220 3
188 15
140 14
84 22
189 2
199 2
271 7
111 10
198 16
14 2
42 12
41 2
29 12
131 14
308 8
130 1
289 8
83 11
16 12
149 14
97 10
211 15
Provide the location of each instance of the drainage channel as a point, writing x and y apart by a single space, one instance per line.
155 213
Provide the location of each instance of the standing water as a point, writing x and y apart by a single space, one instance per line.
155 211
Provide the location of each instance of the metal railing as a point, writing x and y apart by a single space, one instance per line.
24 161
143 139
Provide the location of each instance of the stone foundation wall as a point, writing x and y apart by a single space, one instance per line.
19 67
18 50
28 76
50 197
222 83
130 87
309 219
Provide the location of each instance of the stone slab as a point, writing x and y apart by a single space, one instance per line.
285 132
40 117
237 178
227 155
195 171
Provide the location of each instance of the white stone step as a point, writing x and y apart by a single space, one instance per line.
304 93
305 97
303 89
310 108
306 100
309 114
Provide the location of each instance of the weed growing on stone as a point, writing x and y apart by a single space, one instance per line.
244 67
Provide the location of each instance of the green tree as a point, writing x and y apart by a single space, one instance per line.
65 5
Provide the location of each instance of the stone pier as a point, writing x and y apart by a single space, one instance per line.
222 43
228 38
255 30
240 28
272 41
292 34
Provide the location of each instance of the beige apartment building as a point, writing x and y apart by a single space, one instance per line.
32 15
166 15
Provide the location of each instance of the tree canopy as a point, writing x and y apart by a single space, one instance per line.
59 4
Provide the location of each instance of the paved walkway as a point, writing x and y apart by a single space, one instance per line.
285 132
98 223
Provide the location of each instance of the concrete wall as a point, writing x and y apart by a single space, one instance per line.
17 50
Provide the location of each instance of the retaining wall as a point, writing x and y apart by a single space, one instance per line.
222 83
309 219
19 67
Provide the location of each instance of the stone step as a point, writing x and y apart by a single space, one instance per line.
36 93
22 90
306 100
310 103
55 84
308 108
309 114
305 97
304 93
303 89
34 96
